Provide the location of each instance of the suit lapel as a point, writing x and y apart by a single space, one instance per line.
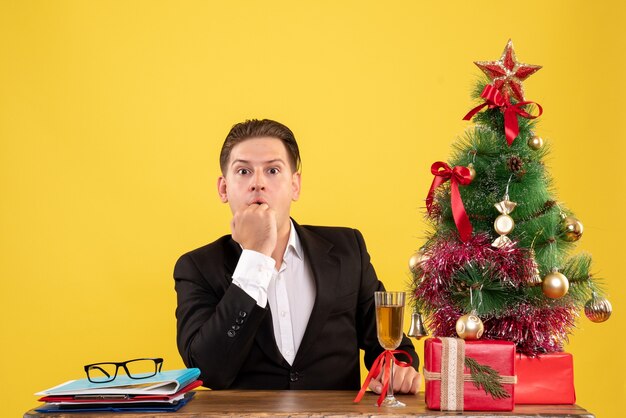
326 271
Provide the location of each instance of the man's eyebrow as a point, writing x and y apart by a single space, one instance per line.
240 162
274 161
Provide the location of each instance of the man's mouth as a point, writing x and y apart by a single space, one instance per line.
258 201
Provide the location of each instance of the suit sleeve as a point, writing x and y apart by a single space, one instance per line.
366 315
215 325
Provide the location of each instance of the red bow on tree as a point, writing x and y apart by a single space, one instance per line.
457 175
493 98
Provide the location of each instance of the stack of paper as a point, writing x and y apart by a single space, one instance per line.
164 392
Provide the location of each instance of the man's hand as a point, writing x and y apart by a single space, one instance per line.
405 380
254 228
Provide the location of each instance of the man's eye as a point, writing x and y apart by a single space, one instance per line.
243 171
273 171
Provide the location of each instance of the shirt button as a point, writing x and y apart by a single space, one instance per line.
239 321
236 327
283 313
293 376
231 333
243 314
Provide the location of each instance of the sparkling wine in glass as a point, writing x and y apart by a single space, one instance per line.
389 322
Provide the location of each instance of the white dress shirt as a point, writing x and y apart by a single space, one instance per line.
290 291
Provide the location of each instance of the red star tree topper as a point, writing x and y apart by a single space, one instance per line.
507 73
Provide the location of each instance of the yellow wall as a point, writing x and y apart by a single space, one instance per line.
112 114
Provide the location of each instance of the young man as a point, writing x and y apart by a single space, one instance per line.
277 305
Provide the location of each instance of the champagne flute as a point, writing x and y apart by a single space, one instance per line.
389 321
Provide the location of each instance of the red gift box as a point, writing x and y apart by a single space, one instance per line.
545 379
460 392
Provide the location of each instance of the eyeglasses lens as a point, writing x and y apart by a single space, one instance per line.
100 373
141 368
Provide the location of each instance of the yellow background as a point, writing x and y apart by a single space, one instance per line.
112 114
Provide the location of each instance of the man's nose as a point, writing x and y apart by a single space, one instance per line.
257 182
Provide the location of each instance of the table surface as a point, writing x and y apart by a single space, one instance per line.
237 403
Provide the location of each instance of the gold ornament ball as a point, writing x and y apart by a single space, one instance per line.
573 229
469 327
555 285
416 260
598 309
503 224
472 171
536 142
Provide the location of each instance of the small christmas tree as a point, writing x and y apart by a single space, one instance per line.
496 263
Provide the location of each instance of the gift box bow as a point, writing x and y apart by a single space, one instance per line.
453 376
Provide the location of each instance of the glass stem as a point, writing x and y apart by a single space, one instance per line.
390 387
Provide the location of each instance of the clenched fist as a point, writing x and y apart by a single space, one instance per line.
254 228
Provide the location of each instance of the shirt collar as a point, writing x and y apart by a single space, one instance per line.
294 242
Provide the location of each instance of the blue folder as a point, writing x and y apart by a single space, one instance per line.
163 383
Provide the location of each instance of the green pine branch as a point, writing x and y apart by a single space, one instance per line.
489 295
582 283
487 378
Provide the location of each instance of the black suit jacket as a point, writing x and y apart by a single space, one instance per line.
222 331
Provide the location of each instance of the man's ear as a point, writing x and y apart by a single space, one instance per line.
296 182
221 189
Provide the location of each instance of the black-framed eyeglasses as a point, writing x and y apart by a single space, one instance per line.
139 368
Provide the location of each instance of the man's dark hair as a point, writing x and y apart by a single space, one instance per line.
255 128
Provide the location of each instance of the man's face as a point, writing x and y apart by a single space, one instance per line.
258 171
